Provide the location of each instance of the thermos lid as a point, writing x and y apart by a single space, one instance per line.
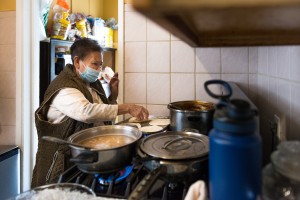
232 116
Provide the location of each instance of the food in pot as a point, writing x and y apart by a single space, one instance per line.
159 122
107 141
150 129
195 106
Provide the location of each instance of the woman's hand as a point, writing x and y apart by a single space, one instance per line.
137 111
114 88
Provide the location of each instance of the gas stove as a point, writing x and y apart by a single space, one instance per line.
120 184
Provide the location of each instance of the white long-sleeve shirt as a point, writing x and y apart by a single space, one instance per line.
70 102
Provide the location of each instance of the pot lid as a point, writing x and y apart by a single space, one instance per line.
176 145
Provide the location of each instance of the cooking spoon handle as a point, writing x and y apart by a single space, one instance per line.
61 141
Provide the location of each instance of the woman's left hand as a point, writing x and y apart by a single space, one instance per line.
114 88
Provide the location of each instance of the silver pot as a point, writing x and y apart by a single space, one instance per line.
175 156
186 115
106 160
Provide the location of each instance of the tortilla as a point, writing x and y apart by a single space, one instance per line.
137 125
135 120
151 129
160 122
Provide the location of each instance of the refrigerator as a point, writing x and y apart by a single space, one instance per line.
55 54
9 171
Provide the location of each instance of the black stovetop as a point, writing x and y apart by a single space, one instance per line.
161 189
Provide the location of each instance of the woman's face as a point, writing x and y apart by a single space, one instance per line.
92 60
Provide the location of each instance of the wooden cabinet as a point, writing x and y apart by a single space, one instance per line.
204 23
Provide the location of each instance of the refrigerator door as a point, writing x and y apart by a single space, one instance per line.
9 171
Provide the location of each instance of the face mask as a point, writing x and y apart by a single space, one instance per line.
90 75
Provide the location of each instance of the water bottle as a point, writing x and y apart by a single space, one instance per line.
234 149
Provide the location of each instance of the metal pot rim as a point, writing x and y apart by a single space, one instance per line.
71 138
172 106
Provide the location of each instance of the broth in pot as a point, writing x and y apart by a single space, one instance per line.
107 141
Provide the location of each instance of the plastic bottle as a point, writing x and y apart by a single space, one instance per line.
281 177
234 149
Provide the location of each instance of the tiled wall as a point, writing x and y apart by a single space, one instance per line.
160 69
7 77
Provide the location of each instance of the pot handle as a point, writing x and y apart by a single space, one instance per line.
85 158
141 190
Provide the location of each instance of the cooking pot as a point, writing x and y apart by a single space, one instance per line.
175 156
104 160
185 115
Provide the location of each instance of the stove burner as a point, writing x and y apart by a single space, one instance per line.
105 179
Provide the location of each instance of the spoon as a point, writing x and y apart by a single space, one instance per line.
61 141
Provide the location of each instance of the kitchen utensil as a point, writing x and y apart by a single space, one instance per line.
106 160
61 141
176 156
191 114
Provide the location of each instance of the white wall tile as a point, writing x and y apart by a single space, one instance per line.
7 135
253 88
156 32
135 88
182 57
8 112
128 7
158 88
200 91
8 85
235 60
240 79
272 61
208 60
253 59
7 14
263 60
173 37
272 108
158 110
135 57
158 57
295 63
283 62
182 87
295 113
8 57
135 27
8 30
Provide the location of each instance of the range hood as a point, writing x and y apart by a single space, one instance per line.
212 23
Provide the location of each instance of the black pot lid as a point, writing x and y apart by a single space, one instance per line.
176 145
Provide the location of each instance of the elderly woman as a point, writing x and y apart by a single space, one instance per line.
75 100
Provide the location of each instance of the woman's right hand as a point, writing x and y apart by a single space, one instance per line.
137 111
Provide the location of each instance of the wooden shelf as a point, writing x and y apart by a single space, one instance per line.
207 23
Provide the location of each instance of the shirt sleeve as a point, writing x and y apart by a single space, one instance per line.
72 103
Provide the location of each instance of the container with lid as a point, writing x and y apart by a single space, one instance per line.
281 177
234 149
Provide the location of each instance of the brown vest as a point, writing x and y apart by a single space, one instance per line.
51 158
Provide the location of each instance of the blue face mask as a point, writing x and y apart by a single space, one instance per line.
90 75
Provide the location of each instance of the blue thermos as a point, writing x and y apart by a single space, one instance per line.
234 149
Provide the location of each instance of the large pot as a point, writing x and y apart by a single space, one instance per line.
175 156
105 160
185 115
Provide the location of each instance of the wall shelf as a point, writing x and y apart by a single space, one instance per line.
209 23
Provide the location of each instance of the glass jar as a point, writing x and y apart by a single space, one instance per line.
281 177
